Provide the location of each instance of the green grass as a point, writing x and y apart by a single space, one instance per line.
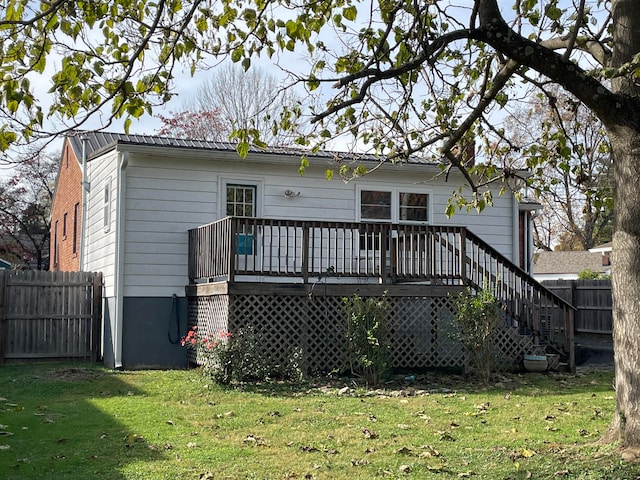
73 421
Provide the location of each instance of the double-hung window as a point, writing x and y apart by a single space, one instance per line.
393 205
396 206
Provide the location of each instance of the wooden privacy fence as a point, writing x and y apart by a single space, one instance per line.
592 300
50 315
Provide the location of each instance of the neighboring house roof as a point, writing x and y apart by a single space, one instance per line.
569 263
603 248
4 264
101 142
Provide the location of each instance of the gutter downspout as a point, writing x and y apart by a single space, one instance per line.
119 257
84 184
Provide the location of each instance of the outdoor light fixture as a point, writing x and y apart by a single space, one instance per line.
291 194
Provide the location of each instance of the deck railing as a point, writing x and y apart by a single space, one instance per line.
234 248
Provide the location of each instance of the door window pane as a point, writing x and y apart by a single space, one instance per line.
241 200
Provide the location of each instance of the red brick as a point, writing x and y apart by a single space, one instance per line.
67 200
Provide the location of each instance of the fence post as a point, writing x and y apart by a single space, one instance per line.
96 316
4 298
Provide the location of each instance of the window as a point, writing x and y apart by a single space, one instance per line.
76 228
413 207
241 200
64 226
393 206
107 206
375 205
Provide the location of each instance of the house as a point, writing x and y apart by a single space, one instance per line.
187 230
567 265
4 265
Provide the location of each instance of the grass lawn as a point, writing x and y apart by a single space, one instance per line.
76 421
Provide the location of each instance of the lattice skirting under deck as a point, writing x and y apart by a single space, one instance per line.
422 330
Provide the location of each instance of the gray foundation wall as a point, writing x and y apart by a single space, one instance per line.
151 331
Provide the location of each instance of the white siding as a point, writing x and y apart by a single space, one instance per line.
101 244
165 197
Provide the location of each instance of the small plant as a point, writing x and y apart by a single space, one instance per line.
367 337
240 357
478 317
213 352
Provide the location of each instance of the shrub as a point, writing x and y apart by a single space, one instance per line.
240 357
478 317
591 275
367 337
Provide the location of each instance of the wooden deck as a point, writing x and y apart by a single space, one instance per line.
275 256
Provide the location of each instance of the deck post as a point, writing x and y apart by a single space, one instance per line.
231 254
305 253
386 240
462 261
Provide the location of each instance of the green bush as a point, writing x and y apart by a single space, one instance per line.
367 337
240 357
591 275
478 316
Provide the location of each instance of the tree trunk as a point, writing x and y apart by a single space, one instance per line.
625 143
625 426
626 292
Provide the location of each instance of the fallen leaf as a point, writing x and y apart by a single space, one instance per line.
445 437
370 434
404 451
132 438
429 451
404 469
527 453
308 449
192 445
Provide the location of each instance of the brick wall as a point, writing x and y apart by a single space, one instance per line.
66 214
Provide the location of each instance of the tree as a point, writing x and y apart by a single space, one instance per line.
232 101
194 125
401 77
574 179
245 101
25 205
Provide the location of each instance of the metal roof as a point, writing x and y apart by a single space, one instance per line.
99 142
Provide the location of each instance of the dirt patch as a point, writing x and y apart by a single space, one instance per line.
77 374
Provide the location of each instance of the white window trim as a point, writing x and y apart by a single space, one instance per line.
107 195
395 204
253 182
